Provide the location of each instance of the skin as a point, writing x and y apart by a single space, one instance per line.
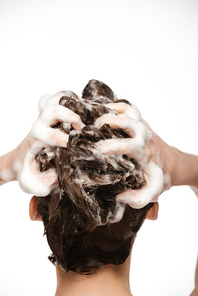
110 280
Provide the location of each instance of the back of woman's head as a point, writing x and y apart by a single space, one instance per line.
86 226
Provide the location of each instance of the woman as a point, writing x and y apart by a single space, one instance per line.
104 238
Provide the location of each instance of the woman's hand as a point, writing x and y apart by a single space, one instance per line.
23 166
155 157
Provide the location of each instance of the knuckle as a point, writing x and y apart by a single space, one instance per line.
43 101
47 111
125 120
123 116
124 106
77 117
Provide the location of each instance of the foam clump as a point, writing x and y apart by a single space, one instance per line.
7 175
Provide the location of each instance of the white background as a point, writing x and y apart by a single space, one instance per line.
147 52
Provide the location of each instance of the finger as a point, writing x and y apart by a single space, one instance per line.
139 198
39 185
129 110
55 113
42 102
122 108
48 100
31 180
134 128
42 131
47 135
129 147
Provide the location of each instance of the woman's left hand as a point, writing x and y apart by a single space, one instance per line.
20 164
154 155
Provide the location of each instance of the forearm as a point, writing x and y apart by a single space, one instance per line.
185 169
7 172
181 167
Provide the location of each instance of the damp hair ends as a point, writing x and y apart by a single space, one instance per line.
86 226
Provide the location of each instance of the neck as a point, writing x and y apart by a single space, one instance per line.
111 280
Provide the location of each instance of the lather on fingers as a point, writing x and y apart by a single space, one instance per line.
135 148
134 128
43 135
129 110
48 100
51 115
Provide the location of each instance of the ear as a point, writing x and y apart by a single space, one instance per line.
152 214
33 211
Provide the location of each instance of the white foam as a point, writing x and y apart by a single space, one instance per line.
49 152
134 128
120 208
7 175
154 174
123 108
167 181
52 114
42 102
127 146
66 125
31 180
140 136
131 122
48 100
150 192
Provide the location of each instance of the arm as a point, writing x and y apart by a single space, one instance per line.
185 171
20 164
182 167
7 161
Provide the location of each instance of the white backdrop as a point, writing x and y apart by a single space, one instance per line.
146 51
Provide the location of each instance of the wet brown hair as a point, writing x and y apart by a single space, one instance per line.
85 225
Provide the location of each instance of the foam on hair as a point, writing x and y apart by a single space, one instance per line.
86 226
